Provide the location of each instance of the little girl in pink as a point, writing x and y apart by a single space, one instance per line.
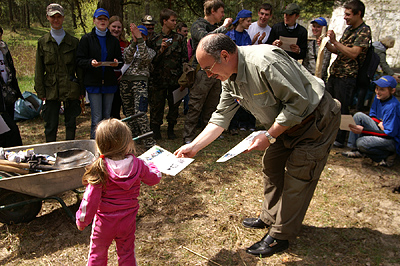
112 188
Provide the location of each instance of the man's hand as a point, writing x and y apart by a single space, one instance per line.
277 43
332 36
356 129
259 143
164 45
295 48
186 151
260 40
255 38
227 22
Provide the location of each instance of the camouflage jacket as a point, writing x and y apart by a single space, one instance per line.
138 56
345 67
168 66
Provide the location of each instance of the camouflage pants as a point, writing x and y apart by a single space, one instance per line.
134 97
203 101
158 95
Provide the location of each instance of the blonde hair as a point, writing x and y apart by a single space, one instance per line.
388 41
114 141
117 18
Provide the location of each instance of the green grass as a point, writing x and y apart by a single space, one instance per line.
26 83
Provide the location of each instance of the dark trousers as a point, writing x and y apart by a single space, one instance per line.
12 137
116 105
342 89
158 95
50 115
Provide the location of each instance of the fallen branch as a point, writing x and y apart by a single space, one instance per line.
201 256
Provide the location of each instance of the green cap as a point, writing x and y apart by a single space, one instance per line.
292 8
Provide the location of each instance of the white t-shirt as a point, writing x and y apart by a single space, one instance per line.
254 29
3 68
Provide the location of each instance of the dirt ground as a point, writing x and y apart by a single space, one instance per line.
195 217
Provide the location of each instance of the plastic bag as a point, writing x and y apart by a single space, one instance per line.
27 108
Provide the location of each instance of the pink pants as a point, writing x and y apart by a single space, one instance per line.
120 226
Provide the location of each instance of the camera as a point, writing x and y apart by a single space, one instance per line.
169 41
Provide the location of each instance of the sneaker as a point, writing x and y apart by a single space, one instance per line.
242 129
390 159
337 144
352 154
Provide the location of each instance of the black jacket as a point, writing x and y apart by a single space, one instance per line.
279 29
89 49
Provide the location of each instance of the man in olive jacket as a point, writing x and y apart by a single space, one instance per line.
55 75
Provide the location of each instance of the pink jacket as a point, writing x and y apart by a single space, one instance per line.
121 191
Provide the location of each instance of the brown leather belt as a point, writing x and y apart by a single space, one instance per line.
294 128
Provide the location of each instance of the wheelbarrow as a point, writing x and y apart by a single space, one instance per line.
21 196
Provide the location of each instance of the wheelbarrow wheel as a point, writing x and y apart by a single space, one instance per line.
21 214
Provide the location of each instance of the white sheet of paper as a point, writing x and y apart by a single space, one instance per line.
3 126
178 94
286 42
346 120
239 148
165 161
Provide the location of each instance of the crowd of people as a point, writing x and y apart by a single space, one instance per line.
237 81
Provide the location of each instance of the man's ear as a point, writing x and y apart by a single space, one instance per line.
225 55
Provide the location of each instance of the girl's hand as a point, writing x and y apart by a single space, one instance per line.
80 228
95 63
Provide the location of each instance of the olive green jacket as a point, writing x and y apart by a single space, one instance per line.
56 69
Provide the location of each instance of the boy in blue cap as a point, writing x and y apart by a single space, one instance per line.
378 135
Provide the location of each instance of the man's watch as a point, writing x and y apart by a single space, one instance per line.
271 139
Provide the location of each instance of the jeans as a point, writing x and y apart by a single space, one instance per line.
376 148
100 105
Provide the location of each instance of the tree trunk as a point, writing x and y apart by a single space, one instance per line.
10 12
78 6
113 7
28 16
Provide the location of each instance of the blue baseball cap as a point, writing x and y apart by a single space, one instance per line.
143 30
386 81
101 12
320 21
244 13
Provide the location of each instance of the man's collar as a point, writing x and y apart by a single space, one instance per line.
240 76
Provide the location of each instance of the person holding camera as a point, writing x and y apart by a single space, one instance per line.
171 52
55 76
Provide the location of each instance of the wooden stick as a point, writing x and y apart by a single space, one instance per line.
13 169
14 164
201 256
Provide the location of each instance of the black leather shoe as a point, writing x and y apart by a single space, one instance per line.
255 223
268 246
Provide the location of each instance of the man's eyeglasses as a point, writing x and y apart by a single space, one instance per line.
208 70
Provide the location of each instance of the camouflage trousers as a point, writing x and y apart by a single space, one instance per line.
134 95
158 95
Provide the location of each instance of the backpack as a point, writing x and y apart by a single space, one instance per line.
367 69
370 64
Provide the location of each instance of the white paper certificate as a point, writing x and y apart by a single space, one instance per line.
345 121
178 94
165 161
286 42
241 147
